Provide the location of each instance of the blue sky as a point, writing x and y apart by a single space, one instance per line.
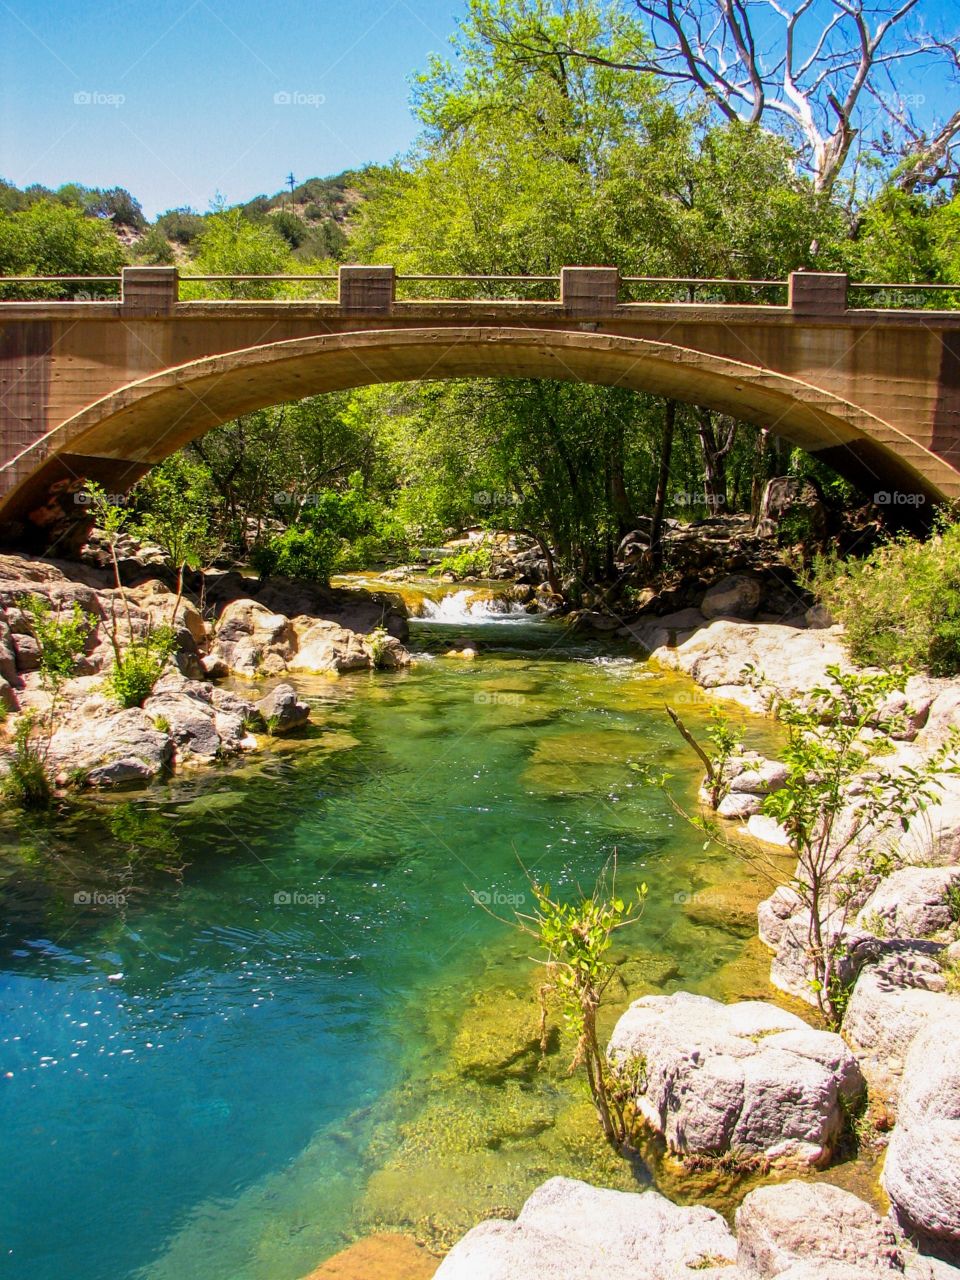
175 99
178 100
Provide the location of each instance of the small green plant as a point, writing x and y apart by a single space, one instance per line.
26 783
161 724
138 667
138 664
377 643
61 638
875 923
953 900
576 937
951 974
838 734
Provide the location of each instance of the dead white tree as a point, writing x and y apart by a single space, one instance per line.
819 72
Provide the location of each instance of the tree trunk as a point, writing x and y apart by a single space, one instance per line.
714 461
663 479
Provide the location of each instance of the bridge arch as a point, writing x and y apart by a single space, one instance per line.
116 439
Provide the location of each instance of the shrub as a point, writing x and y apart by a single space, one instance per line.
576 938
26 783
899 606
138 667
377 640
474 563
298 552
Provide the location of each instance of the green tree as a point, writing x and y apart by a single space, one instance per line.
50 238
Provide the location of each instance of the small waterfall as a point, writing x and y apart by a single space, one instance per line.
470 606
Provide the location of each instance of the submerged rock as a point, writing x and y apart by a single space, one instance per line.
385 1256
744 1078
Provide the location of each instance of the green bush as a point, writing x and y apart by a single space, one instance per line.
336 530
26 783
139 666
298 552
477 563
900 605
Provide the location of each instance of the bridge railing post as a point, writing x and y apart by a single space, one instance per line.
589 291
150 291
371 290
818 293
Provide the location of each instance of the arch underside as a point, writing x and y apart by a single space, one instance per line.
117 439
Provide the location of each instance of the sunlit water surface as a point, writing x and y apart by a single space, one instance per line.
238 1010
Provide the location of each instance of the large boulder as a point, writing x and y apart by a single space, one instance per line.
809 1229
736 596
892 1000
569 1229
921 1173
913 902
717 656
109 747
747 1077
250 640
326 646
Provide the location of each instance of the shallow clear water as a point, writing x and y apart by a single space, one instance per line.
228 1003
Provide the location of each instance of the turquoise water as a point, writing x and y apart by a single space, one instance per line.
217 994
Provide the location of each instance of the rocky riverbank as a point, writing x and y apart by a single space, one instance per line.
759 1088
234 628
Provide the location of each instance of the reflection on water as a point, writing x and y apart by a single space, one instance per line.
251 1016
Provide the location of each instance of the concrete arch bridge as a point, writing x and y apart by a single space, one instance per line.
102 389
